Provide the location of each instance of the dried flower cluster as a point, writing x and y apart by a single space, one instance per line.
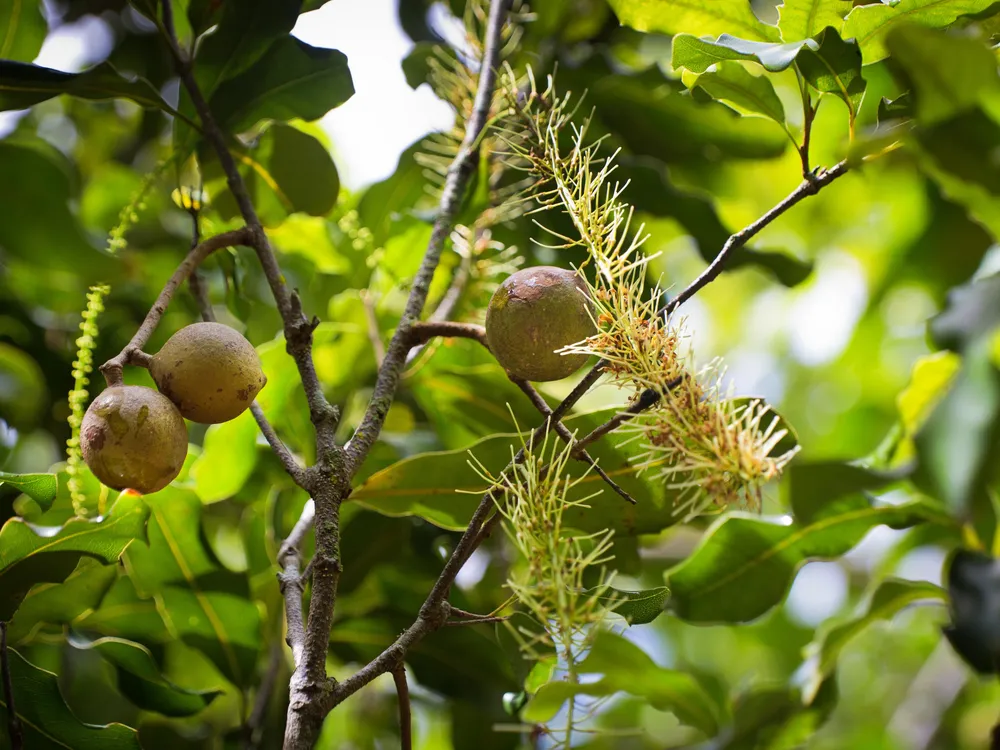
714 450
82 367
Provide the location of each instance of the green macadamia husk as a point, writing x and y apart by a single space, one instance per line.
533 313
210 372
134 438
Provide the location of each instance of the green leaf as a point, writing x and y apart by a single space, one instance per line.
957 447
30 555
228 458
835 68
698 17
140 680
287 171
949 75
638 607
124 614
23 85
870 24
61 603
292 80
202 603
42 488
653 119
697 55
444 489
23 401
24 30
732 84
974 596
744 564
626 668
804 19
885 602
46 720
815 486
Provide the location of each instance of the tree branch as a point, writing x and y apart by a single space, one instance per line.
405 720
13 722
290 581
459 173
810 186
423 331
132 353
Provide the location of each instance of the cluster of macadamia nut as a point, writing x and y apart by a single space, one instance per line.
134 437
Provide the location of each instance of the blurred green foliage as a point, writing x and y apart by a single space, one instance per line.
868 315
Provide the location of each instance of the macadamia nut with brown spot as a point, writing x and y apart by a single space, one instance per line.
209 371
134 438
533 313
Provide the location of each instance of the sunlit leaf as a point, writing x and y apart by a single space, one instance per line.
869 24
698 17
22 30
140 680
31 554
697 55
46 720
626 668
804 19
732 84
42 488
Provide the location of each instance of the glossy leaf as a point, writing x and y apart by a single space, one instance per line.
22 30
626 668
745 564
23 85
697 17
870 24
653 120
444 489
48 723
885 602
30 554
228 458
42 488
61 603
140 680
835 68
804 19
732 84
816 487
202 603
639 607
697 55
293 80
287 171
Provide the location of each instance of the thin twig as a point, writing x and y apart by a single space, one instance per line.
13 721
486 620
132 352
290 580
647 399
810 186
405 720
295 470
459 174
424 331
579 452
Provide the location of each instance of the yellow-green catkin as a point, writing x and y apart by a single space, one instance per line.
82 368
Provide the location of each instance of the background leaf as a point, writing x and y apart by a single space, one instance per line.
804 19
42 488
47 721
732 84
24 30
698 17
